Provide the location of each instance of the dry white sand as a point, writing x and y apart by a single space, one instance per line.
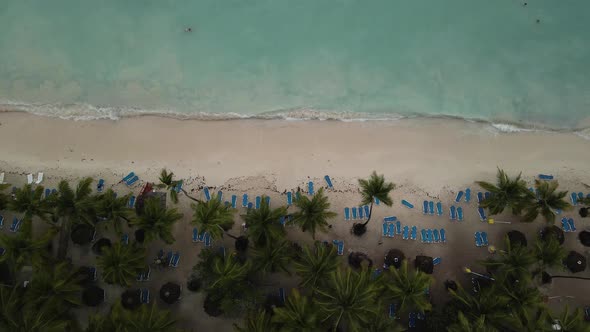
427 159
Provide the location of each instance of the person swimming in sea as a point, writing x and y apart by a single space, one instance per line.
189 29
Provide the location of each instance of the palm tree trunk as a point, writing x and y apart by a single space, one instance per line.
189 196
339 317
233 237
570 277
370 213
64 240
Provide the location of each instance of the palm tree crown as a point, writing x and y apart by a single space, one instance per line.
30 202
514 262
22 249
114 209
315 264
264 224
120 263
299 314
547 200
506 193
408 288
272 257
157 221
213 217
313 213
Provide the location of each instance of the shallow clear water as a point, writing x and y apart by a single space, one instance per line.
468 58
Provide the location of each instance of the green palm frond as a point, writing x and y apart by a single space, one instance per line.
315 264
549 253
256 321
313 213
264 224
506 193
157 221
30 202
376 187
120 263
299 314
545 202
225 274
513 262
489 303
467 325
408 288
23 249
212 217
57 285
114 209
273 257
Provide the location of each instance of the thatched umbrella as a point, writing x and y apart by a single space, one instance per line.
131 299
424 264
6 277
92 296
100 245
451 285
583 212
139 236
584 237
553 231
394 258
517 238
82 234
575 262
170 292
193 284
356 259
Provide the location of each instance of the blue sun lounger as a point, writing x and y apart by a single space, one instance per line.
391 230
484 239
289 198
267 199
459 196
574 198
565 225
175 259
367 211
354 215
346 213
435 235
478 242
178 186
340 246
580 196
195 235
429 235
328 181
436 261
425 207
361 213
297 196
392 311
99 186
390 218
398 227
423 236
282 295
1 221
385 229
145 296
545 177
47 192
479 196
207 193
219 195
431 208
15 225
439 209
202 236
453 212
460 213
2 251
128 177
125 239
572 224
133 180
258 201
234 201
310 188
245 200
407 204
406 232
487 195
482 214
250 205
207 240
377 201
282 220
443 235
467 195
414 233
412 320
131 201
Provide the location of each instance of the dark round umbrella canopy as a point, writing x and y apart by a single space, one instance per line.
139 235
131 299
517 239
92 296
82 234
424 264
451 285
553 231
584 237
575 262
100 245
356 259
193 284
241 243
395 258
170 292
583 212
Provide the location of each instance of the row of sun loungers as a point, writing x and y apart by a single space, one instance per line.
481 196
144 275
201 237
433 235
428 207
575 197
145 296
466 195
456 213
130 179
30 178
568 224
481 239
362 212
390 229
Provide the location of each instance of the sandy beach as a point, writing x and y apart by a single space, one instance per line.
428 159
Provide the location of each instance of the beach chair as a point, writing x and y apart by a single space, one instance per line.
459 196
429 235
453 212
340 246
407 204
250 205
47 192
282 220
377 201
1 221
178 186
385 225
202 237
175 259
222 251
145 296
392 311
234 201
572 224
131 201
267 198
580 196
15 225
391 230
133 180
443 235
439 209
2 251
545 177
467 195
125 239
367 211
354 215
487 195
282 295
219 195
425 207
436 261
39 178
414 233
207 240
423 236
412 320
376 273
565 225
574 198
361 213
406 233
29 178
100 185
484 239
195 235
390 218
310 187
245 200
93 272
482 214
289 198
128 177
460 213
479 197
436 236
328 181
53 191
346 213
2 178
478 242
398 227
207 193
258 200
431 208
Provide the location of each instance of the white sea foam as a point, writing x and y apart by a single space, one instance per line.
508 128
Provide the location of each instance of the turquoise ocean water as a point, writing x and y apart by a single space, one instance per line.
476 59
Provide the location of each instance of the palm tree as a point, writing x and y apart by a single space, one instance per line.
467 325
299 314
348 299
529 321
273 257
313 213
56 285
167 181
545 202
72 207
381 322
146 318
256 321
3 197
522 299
573 321
157 221
22 249
30 202
120 264
213 217
408 288
374 187
264 224
506 193
488 303
514 262
315 264
549 253
114 209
